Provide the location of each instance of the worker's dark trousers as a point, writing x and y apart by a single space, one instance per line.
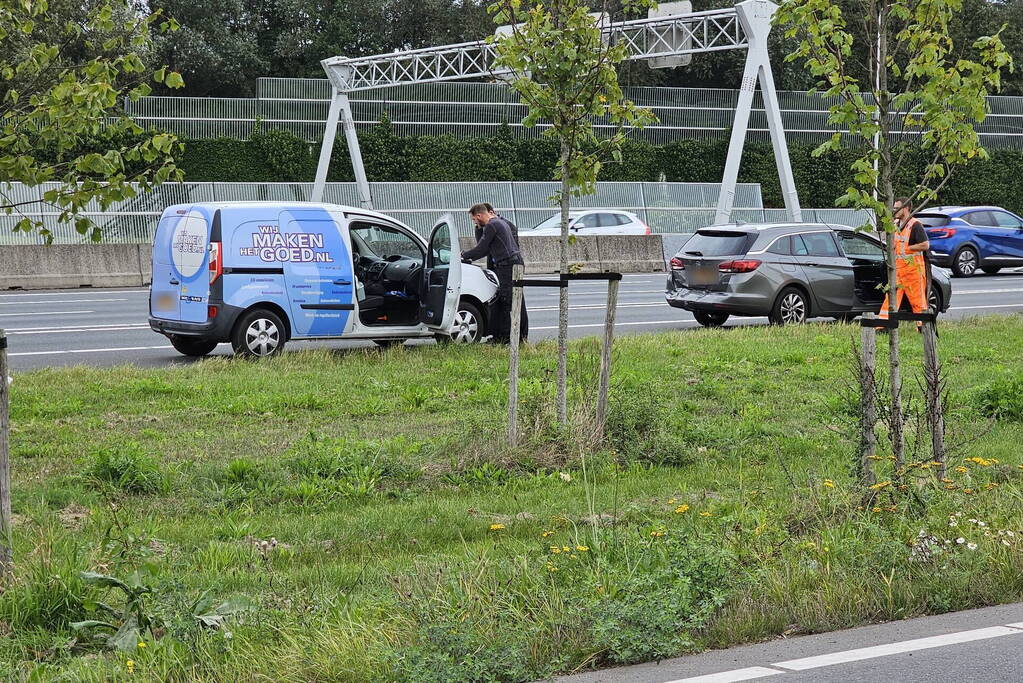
501 322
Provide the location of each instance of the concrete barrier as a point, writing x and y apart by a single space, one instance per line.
70 265
618 253
130 265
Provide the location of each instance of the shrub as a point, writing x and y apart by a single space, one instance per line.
1003 399
128 469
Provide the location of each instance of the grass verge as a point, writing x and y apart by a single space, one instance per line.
356 516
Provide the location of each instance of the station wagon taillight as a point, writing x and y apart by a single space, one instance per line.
216 262
941 233
744 266
676 263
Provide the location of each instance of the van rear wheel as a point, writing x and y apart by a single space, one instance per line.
258 334
192 347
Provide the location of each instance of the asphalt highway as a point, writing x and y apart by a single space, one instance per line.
108 326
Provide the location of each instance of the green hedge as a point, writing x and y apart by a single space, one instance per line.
279 156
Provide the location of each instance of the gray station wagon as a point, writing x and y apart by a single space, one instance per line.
788 272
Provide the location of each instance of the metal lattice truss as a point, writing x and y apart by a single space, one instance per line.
645 39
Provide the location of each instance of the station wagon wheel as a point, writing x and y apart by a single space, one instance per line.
258 334
791 308
965 262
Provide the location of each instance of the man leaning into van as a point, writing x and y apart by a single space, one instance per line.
497 241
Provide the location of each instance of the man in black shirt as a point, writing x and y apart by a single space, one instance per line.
497 239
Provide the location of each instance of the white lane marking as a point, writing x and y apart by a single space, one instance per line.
971 308
58 328
747 674
77 292
22 315
970 292
110 350
617 323
63 301
127 328
1017 625
623 292
586 307
889 649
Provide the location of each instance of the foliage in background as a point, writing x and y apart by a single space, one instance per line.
61 83
282 156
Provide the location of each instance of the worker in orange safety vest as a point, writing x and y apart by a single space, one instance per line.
912 272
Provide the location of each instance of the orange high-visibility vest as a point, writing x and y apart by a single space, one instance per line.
907 263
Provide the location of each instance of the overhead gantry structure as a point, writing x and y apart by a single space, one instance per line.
745 26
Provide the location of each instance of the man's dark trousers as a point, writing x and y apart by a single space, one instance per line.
501 320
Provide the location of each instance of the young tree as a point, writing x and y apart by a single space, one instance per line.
922 96
565 72
62 77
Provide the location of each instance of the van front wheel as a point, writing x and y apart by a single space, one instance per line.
192 347
258 334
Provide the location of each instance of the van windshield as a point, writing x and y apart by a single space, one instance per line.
381 241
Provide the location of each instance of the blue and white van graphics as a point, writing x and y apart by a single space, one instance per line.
258 274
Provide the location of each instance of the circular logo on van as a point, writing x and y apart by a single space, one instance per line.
188 245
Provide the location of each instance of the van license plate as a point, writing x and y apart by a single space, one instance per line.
164 302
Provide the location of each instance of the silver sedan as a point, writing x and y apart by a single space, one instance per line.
789 272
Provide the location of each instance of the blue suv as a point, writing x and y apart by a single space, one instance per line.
967 238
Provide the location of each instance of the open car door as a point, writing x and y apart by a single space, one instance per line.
442 277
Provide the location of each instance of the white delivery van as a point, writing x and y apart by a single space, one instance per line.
258 274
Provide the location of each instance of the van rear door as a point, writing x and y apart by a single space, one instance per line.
181 286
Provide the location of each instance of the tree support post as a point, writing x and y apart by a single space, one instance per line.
513 360
935 410
6 544
605 356
868 401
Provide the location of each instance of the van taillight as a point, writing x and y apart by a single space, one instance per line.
745 266
216 262
676 263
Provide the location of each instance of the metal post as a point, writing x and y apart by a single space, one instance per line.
781 148
6 545
513 360
361 182
326 148
755 17
605 356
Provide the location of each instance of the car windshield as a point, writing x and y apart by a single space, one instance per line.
717 243
554 222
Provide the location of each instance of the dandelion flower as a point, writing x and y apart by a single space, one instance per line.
497 527
971 546
551 567
876 509
681 509
968 491
547 534
706 514
555 550
671 501
656 533
962 470
880 485
130 664
565 549
830 484
142 644
582 548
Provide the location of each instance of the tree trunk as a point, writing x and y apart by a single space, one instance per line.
895 362
513 360
604 382
6 546
562 408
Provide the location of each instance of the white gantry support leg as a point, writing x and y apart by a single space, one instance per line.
326 148
755 16
341 109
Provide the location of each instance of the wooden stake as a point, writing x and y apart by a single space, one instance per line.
935 410
6 545
513 360
605 356
868 403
